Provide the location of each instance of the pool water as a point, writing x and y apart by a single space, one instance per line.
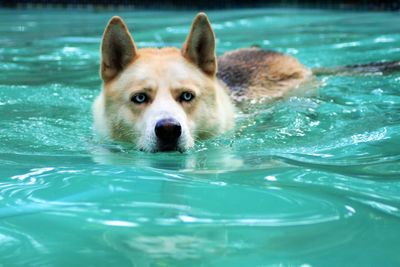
312 180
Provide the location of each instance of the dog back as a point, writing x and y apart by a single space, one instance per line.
253 73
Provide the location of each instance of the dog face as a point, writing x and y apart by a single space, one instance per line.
161 99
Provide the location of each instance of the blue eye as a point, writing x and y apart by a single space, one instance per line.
186 96
140 98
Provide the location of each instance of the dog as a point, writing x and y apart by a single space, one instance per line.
165 99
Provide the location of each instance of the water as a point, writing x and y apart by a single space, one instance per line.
308 181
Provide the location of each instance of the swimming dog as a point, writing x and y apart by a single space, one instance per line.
163 99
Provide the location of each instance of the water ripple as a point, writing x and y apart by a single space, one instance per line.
309 175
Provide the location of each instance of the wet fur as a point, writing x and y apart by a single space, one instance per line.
252 73
163 74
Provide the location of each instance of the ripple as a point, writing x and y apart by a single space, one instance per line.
117 223
33 172
346 45
298 179
175 246
384 39
385 208
14 242
253 222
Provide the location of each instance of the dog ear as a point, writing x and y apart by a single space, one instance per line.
117 49
199 47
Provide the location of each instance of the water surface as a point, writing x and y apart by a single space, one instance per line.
307 181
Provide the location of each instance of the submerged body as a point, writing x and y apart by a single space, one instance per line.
252 73
166 99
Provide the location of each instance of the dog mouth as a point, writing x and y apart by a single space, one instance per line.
154 145
169 147
168 135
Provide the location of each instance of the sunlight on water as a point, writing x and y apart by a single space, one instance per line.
312 180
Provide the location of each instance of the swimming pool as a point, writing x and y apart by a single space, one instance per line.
312 180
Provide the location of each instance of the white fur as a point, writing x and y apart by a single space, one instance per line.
163 75
212 118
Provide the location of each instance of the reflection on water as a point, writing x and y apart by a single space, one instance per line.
309 180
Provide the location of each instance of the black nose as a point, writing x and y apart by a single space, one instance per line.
168 131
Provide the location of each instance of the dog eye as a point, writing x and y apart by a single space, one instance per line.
186 96
140 98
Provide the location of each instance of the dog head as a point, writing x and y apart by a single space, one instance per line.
161 99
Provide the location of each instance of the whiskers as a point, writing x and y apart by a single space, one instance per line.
201 134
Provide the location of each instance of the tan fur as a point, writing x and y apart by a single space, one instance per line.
253 73
204 56
116 30
164 74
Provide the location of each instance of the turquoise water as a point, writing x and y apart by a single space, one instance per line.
313 180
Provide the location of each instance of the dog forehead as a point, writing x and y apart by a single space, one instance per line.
159 68
166 66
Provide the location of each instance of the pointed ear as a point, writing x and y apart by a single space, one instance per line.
199 47
117 49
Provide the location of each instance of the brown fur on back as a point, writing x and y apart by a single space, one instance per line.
252 73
